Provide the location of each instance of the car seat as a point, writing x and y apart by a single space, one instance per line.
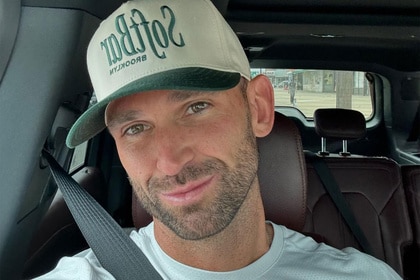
372 187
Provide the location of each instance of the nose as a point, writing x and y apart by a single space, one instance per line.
174 150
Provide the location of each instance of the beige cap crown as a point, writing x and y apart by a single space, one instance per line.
159 44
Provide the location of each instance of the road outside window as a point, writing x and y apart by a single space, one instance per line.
308 90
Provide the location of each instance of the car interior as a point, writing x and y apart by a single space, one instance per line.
370 146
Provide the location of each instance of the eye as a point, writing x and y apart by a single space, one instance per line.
197 107
136 129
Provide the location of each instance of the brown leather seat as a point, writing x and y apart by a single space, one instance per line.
374 190
411 181
58 233
282 175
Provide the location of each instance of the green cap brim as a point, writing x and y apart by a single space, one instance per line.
92 121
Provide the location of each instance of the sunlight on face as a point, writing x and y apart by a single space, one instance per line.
191 156
204 219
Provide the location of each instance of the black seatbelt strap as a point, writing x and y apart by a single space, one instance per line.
331 186
115 250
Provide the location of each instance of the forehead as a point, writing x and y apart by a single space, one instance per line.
173 95
170 96
132 106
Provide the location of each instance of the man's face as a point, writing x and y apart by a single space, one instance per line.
190 156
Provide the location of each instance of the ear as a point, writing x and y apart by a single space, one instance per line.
261 101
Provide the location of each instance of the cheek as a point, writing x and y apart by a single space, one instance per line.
221 138
133 160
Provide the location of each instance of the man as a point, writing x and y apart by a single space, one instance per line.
175 92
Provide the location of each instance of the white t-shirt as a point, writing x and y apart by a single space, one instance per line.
291 256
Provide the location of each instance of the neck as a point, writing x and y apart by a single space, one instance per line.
245 240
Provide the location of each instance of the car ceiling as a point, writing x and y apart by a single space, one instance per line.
288 31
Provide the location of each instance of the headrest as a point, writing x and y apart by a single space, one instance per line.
338 123
282 177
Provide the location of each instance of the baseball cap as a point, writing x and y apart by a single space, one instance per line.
156 45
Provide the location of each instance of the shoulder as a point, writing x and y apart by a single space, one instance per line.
84 265
303 252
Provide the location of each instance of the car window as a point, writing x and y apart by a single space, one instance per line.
79 153
308 90
78 158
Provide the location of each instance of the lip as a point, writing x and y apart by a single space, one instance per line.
189 193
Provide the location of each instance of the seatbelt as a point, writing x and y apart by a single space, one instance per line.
340 202
114 249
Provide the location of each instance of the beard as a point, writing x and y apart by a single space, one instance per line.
206 218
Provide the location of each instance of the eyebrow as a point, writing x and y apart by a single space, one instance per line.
178 96
120 118
175 96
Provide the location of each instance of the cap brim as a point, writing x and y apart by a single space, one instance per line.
92 121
